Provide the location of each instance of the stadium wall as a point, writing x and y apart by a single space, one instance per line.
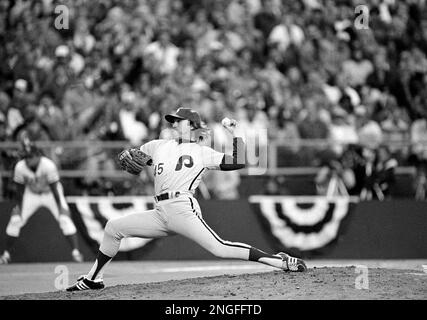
311 227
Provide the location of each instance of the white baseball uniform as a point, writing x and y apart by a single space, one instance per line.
178 167
38 194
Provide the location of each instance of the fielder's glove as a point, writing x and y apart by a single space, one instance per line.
134 160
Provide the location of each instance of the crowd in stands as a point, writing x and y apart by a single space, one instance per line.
110 69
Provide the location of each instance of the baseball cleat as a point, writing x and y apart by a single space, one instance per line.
5 258
85 284
292 264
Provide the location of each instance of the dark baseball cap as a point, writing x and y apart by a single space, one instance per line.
185 114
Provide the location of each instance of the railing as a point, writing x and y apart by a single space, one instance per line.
62 151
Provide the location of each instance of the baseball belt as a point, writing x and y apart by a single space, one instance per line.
166 196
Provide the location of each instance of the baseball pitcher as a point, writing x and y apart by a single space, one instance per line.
178 166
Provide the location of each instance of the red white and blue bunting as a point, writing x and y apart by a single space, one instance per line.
92 213
302 223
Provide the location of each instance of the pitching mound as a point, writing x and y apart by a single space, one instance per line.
317 283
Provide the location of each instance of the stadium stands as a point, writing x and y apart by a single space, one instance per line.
301 68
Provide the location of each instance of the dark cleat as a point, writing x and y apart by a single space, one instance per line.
85 284
292 264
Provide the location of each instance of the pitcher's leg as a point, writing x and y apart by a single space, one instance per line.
144 225
196 229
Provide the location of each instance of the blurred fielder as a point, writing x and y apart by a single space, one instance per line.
38 185
178 166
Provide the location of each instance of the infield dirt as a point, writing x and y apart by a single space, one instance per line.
331 283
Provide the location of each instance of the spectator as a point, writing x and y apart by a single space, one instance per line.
3 128
419 138
267 18
17 109
3 154
253 124
357 69
353 159
396 130
379 172
380 75
311 125
182 53
52 117
335 178
135 131
164 52
286 33
419 150
347 92
4 110
369 131
370 188
385 166
342 132
285 132
33 128
420 183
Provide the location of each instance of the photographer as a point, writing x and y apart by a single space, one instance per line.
335 178
380 174
419 156
385 166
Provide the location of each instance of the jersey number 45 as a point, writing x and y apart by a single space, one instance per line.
185 160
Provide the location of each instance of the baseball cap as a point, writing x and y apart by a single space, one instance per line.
186 114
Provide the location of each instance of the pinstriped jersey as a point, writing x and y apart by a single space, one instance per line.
180 166
38 181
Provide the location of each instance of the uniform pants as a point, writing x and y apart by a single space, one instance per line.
180 215
31 202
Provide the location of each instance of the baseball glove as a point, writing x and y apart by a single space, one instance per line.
134 160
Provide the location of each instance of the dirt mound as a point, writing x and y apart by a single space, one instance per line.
317 283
